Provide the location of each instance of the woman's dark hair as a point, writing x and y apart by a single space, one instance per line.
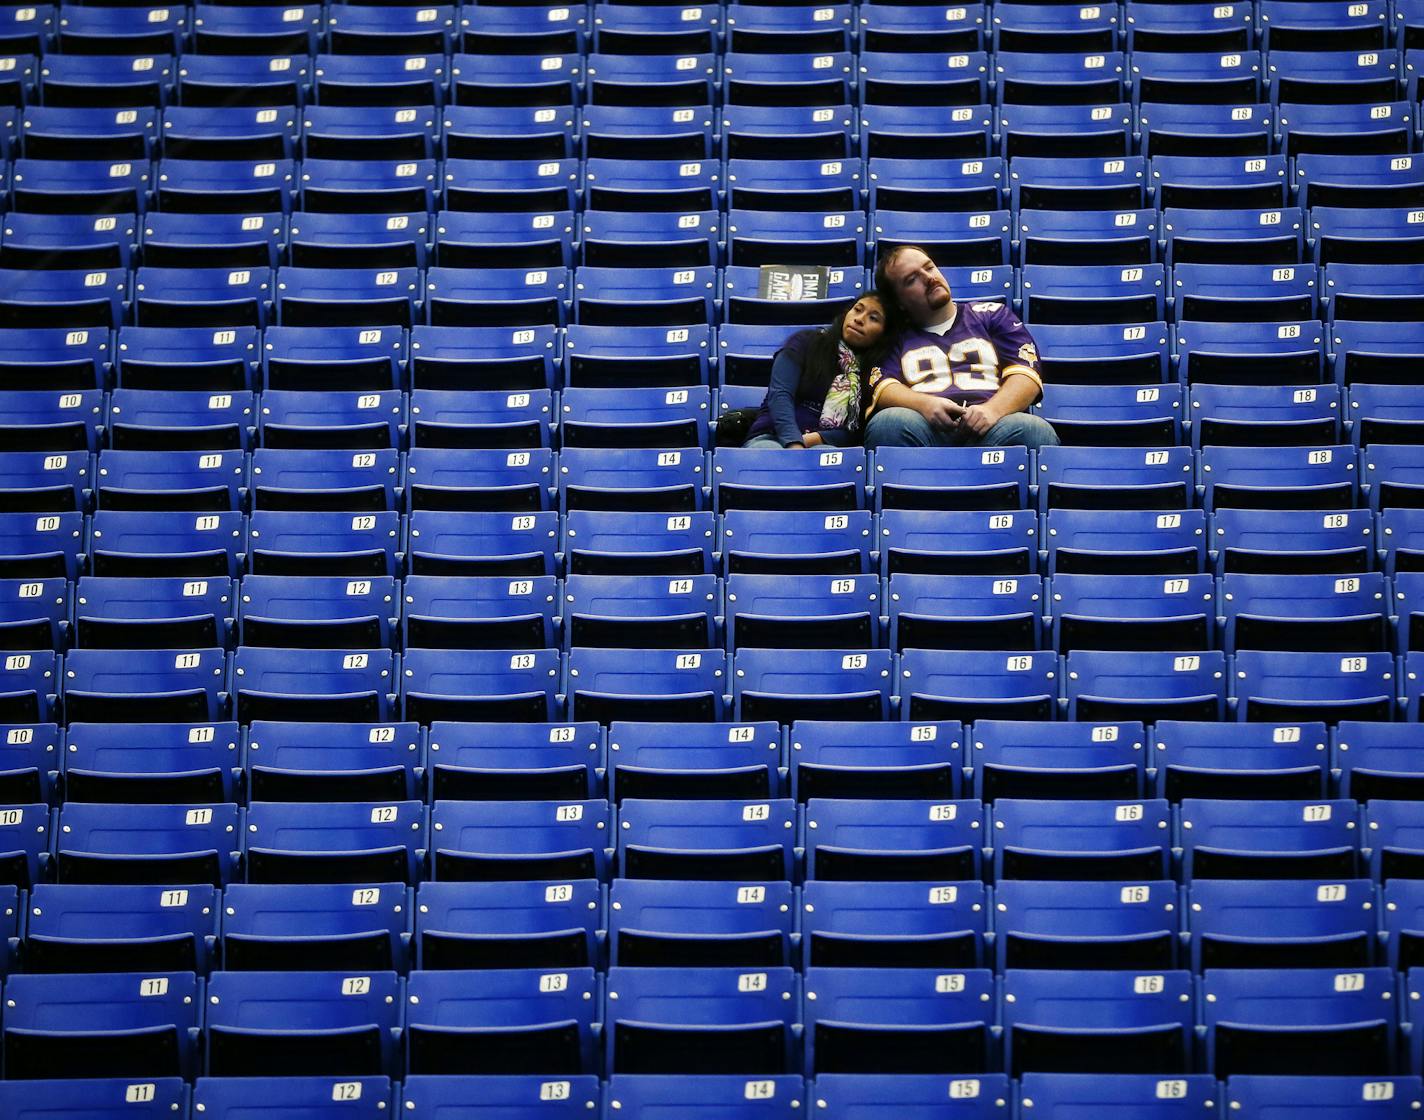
823 362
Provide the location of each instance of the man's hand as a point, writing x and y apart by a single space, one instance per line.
979 418
941 412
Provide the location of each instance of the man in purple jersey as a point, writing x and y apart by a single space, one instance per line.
961 374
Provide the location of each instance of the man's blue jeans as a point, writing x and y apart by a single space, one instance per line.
904 427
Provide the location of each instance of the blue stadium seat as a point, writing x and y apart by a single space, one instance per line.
1389 475
833 759
744 303
1044 924
479 544
381 78
249 80
61 298
1384 235
229 132
721 840
1259 236
631 28
756 29
518 1096
1067 183
162 613
116 928
100 81
152 762
643 79
1244 292
1226 182
746 478
503 297
305 543
631 479
824 684
919 131
359 1098
172 480
607 417
1082 840
1332 77
99 1097
480 684
1145 685
68 241
1314 685
769 541
1291 541
124 1024
515 80
1385 414
1148 612
145 420
323 480
26 30
29 687
921 78
130 686
197 186
702 1020
1394 838
1058 1096
1358 180
149 543
807 611
1300 924
470 612
957 542
1197 77
481 480
503 240
723 760
491 762
1249 760
1054 761
54 358
158 844
979 241
208 297
1401 922
329 297
368 186
699 924
1069 78
644 296
894 841
899 924
333 761
303 1023
19 89
842 1096
42 545
1097 1022
613 684
628 240
1254 1097
951 478
222 30
188 358
1065 130
34 614
794 185
331 419
26 836
1108 542
505 132
524 924
961 612
522 30
313 684
629 357
614 543
1094 293
1279 478
1301 1020
745 352
1375 352
1156 27
978 684
518 186
514 841
30 757
646 132
1268 840
300 927
1305 612
1069 237
342 842
1376 760
903 1020
1364 129
1409 605
787 79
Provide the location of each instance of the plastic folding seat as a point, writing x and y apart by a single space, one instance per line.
483 544
1244 292
308 543
38 421
1382 236
54 358
831 759
803 611
1279 478
290 419
1029 78
1065 130
34 614
146 420
643 611
1332 77
366 31
775 541
503 841
520 1096
944 185
920 78
246 80
208 297
701 1020
169 543
512 297
30 757
299 927
1389 471
1361 129
313 684
332 762
1058 183
1409 605
1268 839
129 686
229 133
1086 925
650 80
62 298
368 187
639 185
1377 354
116 31
221 30
745 351
502 240
1029 760
787 79
510 80
198 186
1286 27
1068 237
1145 685
1407 23
18 88
896 840
1291 541
1305 612
29 686
491 762
1181 27
359 1098
370 241
1197 78
101 1098
1081 840
341 842
124 1024
1368 1095
508 924
1376 760
1401 922
827 684
699 924
964 612
457 357
1262 415
114 928
523 30
40 546
795 184
151 763
949 542
1314 685
378 79
212 240
712 840
613 684
896 924
916 1096
631 479
25 837
639 29
485 131
827 480
907 1020
1111 415
756 237
647 1095
1316 1020
303 1023
1058 294
1231 182
358 131
462 612
162 613
755 29
1401 540
1373 293
482 418
1293 924
951 478
1239 760
481 684
977 241
1175 129
926 131
37 481
1146 1095
1129 611
101 81
1358 180
522 186
157 844
632 132
26 30
1234 236
305 479
322 612
1393 838
1096 1021
71 241
614 543
620 239
975 684
1046 28
605 417
475 479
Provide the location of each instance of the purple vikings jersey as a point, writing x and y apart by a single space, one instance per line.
983 345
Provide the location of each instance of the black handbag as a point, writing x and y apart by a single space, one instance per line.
733 425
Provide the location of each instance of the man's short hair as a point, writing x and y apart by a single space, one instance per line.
883 287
